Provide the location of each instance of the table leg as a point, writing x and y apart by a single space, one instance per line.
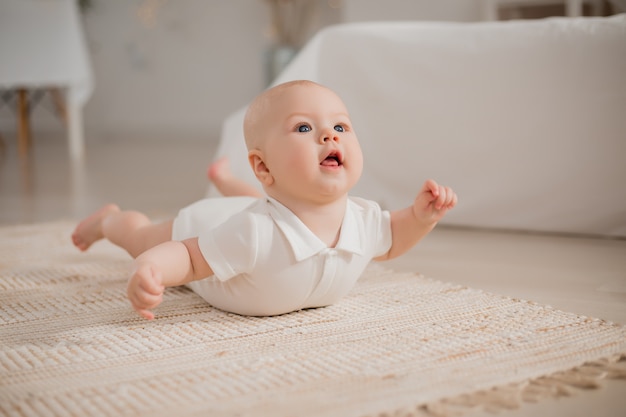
75 129
23 125
59 104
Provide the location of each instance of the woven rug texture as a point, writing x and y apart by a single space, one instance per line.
70 344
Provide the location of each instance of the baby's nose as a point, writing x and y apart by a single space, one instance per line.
328 137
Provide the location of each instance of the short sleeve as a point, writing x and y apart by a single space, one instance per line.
383 231
230 249
375 226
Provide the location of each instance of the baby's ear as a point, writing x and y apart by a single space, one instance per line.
255 157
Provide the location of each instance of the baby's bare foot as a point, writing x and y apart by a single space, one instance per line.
228 185
89 230
219 171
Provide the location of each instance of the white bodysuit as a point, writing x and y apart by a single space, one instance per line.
267 262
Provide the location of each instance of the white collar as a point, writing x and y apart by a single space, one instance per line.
305 243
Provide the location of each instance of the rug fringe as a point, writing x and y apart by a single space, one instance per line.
509 397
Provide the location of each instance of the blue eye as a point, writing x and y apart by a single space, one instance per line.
304 128
339 128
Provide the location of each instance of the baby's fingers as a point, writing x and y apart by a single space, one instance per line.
146 314
453 200
143 301
441 197
447 198
145 290
149 280
430 186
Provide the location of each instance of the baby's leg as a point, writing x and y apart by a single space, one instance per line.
130 230
230 186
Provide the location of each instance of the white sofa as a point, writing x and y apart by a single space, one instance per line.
525 119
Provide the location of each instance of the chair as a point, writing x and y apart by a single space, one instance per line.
42 47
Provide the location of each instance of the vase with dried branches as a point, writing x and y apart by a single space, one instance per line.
291 21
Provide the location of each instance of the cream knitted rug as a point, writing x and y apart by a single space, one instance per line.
399 343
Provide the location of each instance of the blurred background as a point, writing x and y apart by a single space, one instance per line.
170 69
153 81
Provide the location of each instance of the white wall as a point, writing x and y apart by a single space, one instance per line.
181 72
178 75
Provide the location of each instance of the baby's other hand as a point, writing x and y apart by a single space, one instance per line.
145 289
433 202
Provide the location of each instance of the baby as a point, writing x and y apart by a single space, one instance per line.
304 245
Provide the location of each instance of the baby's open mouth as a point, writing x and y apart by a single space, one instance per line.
332 160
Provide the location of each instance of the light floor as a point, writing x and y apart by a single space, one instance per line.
582 275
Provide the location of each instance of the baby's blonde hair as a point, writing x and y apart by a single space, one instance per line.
257 110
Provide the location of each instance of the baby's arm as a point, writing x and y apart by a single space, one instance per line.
166 265
410 225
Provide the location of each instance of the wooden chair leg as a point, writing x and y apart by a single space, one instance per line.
23 125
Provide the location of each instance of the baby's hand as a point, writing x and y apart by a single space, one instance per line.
433 202
145 289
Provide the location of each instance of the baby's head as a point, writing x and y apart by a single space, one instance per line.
301 142
266 106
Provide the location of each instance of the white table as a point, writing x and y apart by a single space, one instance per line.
42 45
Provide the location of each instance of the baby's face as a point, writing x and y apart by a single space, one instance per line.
311 149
